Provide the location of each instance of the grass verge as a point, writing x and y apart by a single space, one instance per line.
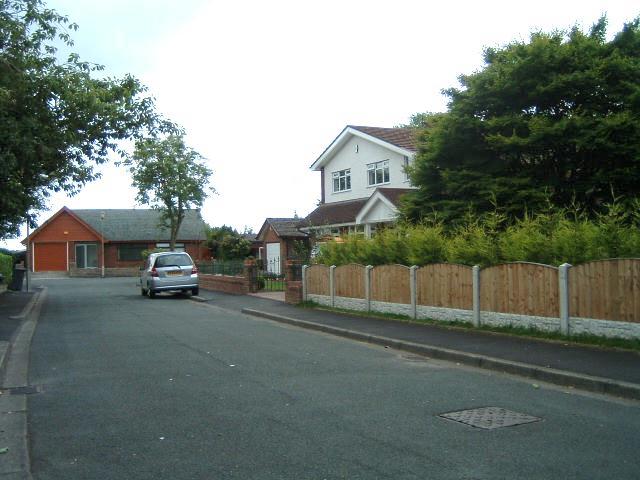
582 339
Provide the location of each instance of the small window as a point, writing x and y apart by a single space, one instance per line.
378 173
342 180
131 252
180 260
165 246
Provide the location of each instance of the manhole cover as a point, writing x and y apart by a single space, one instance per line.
26 390
490 417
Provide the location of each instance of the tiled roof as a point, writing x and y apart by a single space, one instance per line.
286 227
400 137
335 213
140 224
394 194
346 212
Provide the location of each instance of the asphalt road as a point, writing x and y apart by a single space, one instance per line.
134 388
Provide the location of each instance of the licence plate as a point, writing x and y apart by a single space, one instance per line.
174 273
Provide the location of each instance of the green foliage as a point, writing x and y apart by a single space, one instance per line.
234 247
552 237
170 177
57 121
6 267
300 250
555 117
226 243
426 244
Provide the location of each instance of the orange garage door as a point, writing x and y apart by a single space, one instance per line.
50 257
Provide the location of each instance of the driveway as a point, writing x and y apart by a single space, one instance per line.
174 389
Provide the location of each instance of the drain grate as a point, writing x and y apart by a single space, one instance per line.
489 418
26 390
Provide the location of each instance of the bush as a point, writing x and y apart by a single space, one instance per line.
528 240
552 237
426 244
6 267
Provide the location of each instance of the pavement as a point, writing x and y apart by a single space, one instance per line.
18 315
14 307
596 369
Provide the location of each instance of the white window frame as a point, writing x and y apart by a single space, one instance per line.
341 177
383 168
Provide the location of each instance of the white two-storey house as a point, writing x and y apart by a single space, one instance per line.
362 175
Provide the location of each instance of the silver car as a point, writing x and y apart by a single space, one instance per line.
168 271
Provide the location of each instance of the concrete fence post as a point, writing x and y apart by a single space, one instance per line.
367 286
413 285
475 272
332 284
563 292
304 283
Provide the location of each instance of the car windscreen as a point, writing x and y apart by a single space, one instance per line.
179 260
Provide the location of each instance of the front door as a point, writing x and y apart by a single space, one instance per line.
273 258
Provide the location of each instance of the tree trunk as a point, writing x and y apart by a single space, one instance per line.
175 228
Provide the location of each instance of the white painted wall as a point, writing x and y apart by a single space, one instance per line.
367 153
380 212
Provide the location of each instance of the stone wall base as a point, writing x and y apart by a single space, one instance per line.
577 326
108 272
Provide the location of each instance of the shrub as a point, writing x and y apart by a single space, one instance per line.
426 244
6 267
573 242
527 240
472 245
552 237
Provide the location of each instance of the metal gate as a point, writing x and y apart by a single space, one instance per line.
269 275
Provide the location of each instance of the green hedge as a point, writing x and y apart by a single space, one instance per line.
6 267
552 238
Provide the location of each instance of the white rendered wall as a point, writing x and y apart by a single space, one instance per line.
367 153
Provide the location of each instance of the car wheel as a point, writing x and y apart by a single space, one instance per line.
195 291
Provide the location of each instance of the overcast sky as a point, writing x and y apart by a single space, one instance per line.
262 87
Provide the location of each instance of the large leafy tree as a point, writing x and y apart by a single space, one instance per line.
170 177
556 118
57 121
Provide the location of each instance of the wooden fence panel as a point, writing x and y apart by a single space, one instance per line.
318 280
390 283
520 288
349 281
445 285
606 290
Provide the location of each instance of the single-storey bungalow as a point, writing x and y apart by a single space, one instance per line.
108 241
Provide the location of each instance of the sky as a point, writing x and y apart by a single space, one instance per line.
263 87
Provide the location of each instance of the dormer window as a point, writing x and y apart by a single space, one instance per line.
378 173
342 180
